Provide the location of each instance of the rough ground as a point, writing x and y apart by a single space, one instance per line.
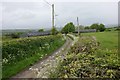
42 68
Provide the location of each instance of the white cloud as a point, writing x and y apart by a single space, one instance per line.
38 14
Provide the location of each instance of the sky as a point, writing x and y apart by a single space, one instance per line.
34 14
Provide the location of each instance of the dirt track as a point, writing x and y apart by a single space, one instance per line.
41 69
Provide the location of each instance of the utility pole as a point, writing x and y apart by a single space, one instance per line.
78 25
53 15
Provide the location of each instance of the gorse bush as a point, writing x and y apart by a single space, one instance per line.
86 60
90 45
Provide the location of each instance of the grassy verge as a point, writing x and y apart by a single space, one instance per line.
34 50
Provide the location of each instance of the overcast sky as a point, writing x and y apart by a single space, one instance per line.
34 15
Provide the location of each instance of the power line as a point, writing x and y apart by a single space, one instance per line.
53 12
47 2
50 5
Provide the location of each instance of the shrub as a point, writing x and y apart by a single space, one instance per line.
86 60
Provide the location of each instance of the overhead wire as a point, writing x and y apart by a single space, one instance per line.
47 2
50 5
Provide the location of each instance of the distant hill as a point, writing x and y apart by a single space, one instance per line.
16 30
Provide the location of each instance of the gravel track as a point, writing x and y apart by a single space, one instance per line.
42 68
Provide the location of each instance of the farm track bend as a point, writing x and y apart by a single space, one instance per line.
42 68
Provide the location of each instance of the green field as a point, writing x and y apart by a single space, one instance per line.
107 39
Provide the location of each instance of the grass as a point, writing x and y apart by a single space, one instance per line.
107 39
108 42
15 68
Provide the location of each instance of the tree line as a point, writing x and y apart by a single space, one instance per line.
98 27
70 27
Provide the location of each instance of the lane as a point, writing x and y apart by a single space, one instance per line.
42 68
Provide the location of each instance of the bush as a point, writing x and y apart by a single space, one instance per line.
86 60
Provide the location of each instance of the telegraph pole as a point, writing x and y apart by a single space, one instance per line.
53 15
78 25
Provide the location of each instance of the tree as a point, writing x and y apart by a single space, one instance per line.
101 27
87 27
98 27
95 26
15 35
69 27
40 30
54 31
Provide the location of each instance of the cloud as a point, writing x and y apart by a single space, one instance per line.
38 14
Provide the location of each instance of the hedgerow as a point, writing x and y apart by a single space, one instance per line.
18 50
86 60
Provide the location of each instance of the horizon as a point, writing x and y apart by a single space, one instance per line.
106 26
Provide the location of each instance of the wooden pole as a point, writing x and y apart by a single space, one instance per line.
53 15
78 25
